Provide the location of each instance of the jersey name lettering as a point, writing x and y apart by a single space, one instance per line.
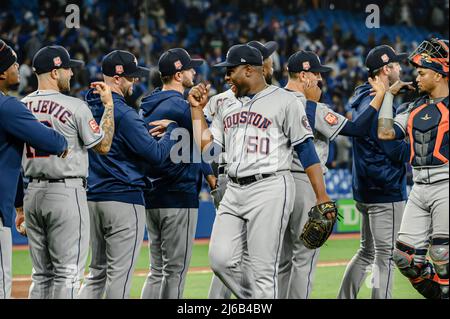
246 117
49 107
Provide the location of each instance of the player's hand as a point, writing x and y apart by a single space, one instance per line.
324 199
103 89
198 96
312 91
159 127
212 181
397 86
378 86
20 221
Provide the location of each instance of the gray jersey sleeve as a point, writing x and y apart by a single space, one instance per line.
328 122
217 129
401 120
209 111
296 126
88 129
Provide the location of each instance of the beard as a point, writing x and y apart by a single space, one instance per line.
187 83
14 86
127 92
239 91
64 85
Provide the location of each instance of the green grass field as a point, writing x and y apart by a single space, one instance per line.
326 283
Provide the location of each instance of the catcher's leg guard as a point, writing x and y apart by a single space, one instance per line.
421 275
439 256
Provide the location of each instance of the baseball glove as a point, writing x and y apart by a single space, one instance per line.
318 228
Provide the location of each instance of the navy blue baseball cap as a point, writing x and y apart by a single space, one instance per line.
7 56
266 49
242 54
53 57
306 61
176 60
383 55
123 63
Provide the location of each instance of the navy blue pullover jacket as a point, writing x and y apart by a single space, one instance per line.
379 167
177 184
120 174
18 126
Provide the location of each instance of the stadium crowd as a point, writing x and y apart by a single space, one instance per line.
207 28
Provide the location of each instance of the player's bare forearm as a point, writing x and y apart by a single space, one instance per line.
315 175
386 130
377 101
107 125
202 134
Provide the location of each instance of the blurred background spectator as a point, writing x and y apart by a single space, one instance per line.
336 30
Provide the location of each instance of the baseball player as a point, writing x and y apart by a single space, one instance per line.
258 139
55 203
217 289
425 123
17 127
116 182
172 205
379 184
298 263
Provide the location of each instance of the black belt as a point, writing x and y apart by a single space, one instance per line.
221 170
249 179
59 180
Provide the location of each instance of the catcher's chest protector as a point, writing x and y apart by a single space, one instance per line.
428 134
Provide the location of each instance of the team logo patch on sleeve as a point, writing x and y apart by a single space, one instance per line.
94 126
331 119
305 123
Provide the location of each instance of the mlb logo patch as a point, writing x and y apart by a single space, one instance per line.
119 69
94 126
178 65
385 58
305 123
306 65
57 61
331 119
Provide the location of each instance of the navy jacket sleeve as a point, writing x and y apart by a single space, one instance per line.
206 169
18 121
136 135
361 125
307 153
396 150
20 193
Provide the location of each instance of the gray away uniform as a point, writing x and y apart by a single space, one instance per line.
298 263
258 135
55 203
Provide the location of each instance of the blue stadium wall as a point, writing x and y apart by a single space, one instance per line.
339 186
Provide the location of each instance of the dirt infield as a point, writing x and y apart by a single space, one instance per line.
21 284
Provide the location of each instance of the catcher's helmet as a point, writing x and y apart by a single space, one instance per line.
431 54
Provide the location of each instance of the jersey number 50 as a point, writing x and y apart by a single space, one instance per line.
33 153
258 145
